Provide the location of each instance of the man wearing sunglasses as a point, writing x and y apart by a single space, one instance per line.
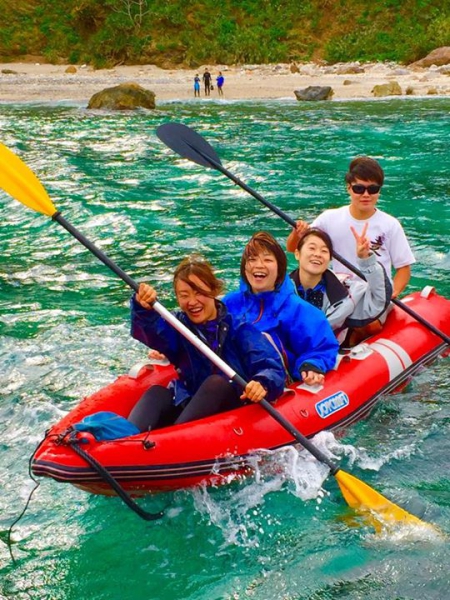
388 241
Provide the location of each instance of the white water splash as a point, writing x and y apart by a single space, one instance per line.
335 449
293 470
236 511
401 534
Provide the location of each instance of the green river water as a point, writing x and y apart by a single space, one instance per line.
64 327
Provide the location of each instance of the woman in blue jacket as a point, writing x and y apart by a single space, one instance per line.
267 299
201 389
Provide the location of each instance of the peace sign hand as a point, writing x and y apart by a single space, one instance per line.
362 242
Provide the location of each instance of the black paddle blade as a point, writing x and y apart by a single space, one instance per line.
188 143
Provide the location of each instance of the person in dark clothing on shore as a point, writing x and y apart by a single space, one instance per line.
207 82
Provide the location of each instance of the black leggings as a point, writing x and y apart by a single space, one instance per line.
155 408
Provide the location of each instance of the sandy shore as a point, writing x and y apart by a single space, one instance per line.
27 82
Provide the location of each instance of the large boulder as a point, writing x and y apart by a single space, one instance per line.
126 96
387 89
438 57
314 92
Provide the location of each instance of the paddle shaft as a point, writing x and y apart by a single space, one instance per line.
337 256
160 309
312 449
96 251
244 186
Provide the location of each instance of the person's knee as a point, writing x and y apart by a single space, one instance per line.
152 401
216 381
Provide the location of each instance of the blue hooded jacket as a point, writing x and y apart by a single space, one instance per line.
300 330
240 345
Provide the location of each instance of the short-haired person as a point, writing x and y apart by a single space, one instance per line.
201 389
388 241
267 299
207 82
220 79
197 86
347 302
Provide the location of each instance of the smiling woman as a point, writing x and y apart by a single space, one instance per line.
200 391
346 301
263 263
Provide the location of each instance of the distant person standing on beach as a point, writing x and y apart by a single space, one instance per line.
207 82
197 86
220 81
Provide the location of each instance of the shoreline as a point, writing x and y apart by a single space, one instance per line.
28 82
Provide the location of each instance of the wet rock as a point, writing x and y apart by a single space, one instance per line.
126 96
314 93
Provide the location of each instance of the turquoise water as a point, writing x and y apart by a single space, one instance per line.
64 334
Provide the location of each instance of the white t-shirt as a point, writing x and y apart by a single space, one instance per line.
387 238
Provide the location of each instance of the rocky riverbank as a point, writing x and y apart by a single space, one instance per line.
35 82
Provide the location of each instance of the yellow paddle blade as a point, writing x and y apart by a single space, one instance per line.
363 498
19 181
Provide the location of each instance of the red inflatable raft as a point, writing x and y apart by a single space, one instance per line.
211 449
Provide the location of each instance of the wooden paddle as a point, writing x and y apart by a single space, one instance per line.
22 184
191 145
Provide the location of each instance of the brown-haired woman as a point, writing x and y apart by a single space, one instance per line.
267 299
200 389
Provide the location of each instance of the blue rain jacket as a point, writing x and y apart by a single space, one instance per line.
240 345
300 331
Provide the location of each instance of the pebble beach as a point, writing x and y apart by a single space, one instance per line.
36 82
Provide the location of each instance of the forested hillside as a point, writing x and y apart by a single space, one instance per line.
188 33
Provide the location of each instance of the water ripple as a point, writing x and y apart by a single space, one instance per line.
64 323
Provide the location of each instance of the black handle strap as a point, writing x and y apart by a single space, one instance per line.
109 479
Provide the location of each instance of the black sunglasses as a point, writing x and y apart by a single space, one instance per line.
358 188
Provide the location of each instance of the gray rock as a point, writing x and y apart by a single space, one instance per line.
314 92
350 70
399 72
